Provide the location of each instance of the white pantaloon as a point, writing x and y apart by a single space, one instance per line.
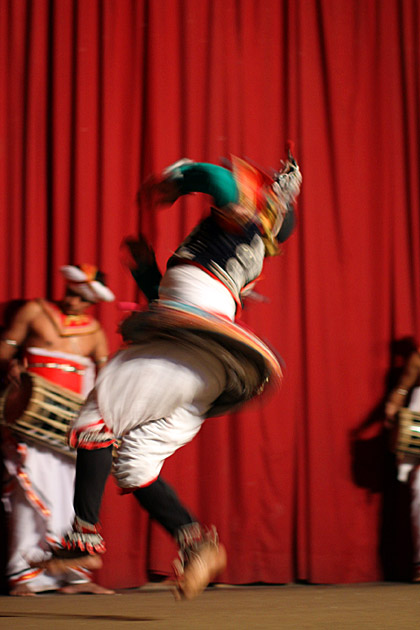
38 501
40 511
155 395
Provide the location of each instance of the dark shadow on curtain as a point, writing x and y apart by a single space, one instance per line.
7 311
374 467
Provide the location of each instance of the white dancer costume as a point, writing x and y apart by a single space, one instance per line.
187 378
38 497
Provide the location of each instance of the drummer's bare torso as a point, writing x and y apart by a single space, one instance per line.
43 334
59 327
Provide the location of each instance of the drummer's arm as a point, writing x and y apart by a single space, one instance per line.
14 337
398 395
101 350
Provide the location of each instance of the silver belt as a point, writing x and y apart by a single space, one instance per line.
58 366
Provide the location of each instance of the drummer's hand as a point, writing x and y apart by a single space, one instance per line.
391 410
14 372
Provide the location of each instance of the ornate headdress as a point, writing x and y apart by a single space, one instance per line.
270 199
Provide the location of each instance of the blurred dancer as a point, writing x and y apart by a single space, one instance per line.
186 359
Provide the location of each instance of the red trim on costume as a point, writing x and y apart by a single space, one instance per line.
26 485
69 325
67 379
91 446
145 485
22 449
92 424
32 573
81 437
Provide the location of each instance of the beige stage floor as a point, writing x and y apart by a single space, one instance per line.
348 607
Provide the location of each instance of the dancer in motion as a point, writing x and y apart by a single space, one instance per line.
186 358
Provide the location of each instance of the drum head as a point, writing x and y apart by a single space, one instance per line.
17 399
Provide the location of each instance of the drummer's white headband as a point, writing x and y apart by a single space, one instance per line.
81 280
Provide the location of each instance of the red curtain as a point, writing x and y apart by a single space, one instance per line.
94 96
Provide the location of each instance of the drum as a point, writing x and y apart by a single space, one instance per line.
40 411
408 435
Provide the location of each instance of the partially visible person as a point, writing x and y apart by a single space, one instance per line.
65 345
186 359
407 393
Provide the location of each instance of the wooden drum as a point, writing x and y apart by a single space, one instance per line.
40 411
408 436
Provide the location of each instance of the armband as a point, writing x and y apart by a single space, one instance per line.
10 342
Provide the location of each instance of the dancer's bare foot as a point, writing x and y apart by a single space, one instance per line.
85 587
202 568
21 590
57 565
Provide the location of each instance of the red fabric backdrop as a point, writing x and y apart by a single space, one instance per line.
94 96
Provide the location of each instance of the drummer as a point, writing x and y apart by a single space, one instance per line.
64 344
407 392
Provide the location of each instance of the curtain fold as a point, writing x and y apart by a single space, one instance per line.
97 95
